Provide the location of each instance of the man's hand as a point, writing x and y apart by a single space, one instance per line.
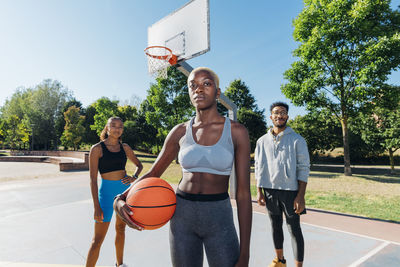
124 212
299 204
260 197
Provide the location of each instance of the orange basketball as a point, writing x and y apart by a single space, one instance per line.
152 201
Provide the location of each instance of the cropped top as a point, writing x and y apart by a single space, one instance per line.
215 159
112 161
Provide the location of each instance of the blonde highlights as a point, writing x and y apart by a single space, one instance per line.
213 74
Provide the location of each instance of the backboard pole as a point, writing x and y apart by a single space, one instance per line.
186 69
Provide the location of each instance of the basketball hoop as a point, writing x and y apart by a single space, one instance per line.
159 59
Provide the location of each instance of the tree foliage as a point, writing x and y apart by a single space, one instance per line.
239 93
60 120
248 112
105 108
47 101
90 136
2 132
73 129
347 50
320 130
39 107
255 124
16 133
168 103
381 126
127 112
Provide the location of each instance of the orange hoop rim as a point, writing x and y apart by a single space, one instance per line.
172 58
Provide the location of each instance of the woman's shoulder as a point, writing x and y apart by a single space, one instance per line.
96 148
237 126
97 145
181 127
126 146
178 131
238 131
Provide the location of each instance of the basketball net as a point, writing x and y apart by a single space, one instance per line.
159 58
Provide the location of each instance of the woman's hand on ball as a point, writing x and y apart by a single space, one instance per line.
124 212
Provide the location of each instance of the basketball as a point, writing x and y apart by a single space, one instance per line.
152 201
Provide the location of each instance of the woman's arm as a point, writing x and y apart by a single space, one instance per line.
167 155
243 197
94 155
132 157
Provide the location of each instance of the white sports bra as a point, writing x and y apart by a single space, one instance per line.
215 159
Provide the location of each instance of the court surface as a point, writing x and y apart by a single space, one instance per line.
46 220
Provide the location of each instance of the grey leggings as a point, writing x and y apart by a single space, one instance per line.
203 221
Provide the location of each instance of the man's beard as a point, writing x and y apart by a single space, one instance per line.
283 125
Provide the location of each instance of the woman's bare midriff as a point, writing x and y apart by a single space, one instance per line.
204 183
114 175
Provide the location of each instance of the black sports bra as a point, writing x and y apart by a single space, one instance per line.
112 161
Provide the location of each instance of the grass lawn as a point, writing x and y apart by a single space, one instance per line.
372 196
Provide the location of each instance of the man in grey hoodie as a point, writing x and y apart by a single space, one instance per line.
282 166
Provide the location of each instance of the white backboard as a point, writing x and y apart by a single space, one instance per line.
185 31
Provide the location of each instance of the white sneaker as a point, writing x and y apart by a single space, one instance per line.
122 265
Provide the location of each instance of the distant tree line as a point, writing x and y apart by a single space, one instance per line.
47 116
347 50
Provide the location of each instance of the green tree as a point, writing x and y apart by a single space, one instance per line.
254 122
2 132
73 129
320 130
105 108
145 133
239 93
19 104
38 107
381 126
248 112
47 99
60 120
168 104
347 50
90 137
16 133
127 112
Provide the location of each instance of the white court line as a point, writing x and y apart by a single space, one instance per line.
341 231
369 255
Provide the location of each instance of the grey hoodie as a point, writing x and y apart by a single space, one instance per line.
281 161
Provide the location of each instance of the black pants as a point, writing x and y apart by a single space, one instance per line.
282 201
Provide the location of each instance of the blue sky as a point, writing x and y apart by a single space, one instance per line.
95 47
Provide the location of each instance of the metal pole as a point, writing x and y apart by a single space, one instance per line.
185 68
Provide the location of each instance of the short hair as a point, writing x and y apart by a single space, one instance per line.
279 104
213 74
